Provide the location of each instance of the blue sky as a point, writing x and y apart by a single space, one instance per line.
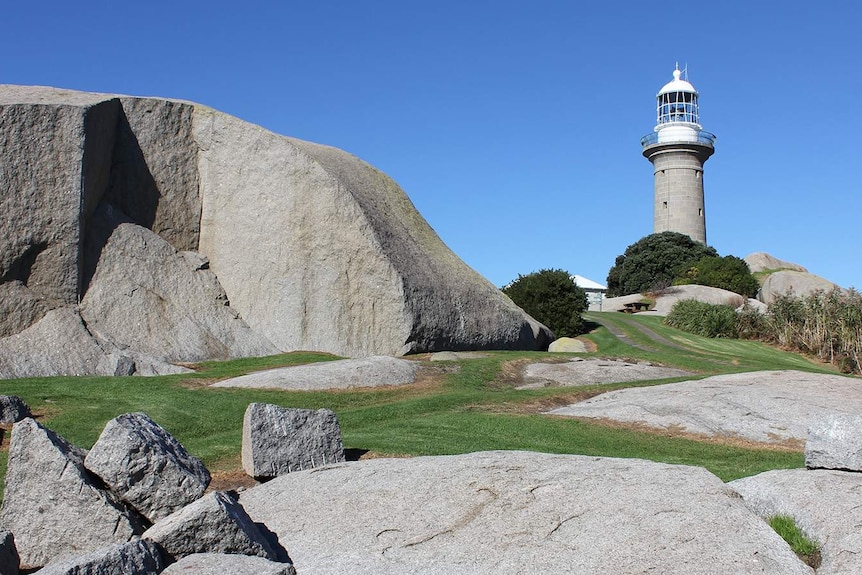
514 127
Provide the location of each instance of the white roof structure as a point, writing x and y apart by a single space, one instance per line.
677 85
585 283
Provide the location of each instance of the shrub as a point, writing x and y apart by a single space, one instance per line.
701 318
654 261
551 297
729 272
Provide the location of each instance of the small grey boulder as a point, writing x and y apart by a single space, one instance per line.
12 409
216 523
8 554
52 503
835 442
220 563
146 466
138 557
278 440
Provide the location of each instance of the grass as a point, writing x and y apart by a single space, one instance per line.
465 406
807 549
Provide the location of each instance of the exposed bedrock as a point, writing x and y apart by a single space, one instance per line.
308 247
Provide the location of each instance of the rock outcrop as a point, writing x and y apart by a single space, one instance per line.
340 374
146 466
48 490
313 248
794 283
764 262
762 406
516 512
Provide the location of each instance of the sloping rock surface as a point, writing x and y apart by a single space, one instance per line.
595 371
825 504
799 284
138 557
763 406
219 564
762 261
516 512
215 523
146 466
48 490
341 260
339 374
61 344
146 296
716 296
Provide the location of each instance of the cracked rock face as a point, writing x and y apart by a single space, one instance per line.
339 258
51 497
516 512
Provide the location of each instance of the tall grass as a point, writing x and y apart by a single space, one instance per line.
827 325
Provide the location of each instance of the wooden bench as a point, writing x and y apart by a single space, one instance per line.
635 307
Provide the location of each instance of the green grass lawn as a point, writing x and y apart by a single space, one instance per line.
450 411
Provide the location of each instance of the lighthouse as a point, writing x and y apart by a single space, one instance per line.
677 148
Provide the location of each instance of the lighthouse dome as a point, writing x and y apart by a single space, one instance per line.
677 85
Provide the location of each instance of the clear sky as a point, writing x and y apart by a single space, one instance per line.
514 127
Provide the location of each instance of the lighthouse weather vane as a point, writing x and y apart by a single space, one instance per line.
677 148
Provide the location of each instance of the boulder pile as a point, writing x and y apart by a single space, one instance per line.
133 504
130 229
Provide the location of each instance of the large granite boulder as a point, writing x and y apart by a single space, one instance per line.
146 466
716 296
835 442
516 512
825 504
220 563
215 523
52 504
764 262
341 260
278 440
793 283
138 557
350 266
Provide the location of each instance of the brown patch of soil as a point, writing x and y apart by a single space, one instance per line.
677 432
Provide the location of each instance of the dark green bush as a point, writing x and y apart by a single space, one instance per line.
551 297
653 262
702 318
729 272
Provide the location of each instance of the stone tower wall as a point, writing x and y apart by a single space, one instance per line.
679 203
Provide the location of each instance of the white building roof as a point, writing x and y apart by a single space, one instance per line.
677 85
586 283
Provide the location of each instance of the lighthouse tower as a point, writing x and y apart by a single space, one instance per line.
678 148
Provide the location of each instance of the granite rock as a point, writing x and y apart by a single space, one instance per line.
835 442
277 440
48 490
219 564
138 557
146 466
